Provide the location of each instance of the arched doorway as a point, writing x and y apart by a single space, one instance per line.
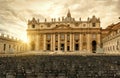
94 44
32 45
48 47
76 47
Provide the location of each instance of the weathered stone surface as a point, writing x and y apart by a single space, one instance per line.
60 66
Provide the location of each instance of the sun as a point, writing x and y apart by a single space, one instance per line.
25 39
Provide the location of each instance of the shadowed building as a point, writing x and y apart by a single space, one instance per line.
65 34
9 44
111 43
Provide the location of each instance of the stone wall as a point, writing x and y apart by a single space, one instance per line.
10 44
111 43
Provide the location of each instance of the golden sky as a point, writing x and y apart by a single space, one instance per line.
15 13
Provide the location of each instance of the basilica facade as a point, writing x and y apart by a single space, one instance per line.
65 34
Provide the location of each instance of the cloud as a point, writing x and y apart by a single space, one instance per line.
13 20
14 14
118 7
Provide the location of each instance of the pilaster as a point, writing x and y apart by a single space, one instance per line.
65 42
44 42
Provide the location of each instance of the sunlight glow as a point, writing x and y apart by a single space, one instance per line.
25 40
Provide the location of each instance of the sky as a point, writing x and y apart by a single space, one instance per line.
14 14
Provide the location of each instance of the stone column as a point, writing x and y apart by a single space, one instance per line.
58 42
88 42
53 42
65 42
37 42
80 42
73 43
98 40
70 42
44 44
8 50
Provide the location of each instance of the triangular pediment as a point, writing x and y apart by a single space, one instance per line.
62 27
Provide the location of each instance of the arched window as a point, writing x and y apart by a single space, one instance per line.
93 24
4 47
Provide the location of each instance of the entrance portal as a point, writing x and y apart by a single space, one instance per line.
68 48
48 47
76 47
94 46
62 47
32 45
